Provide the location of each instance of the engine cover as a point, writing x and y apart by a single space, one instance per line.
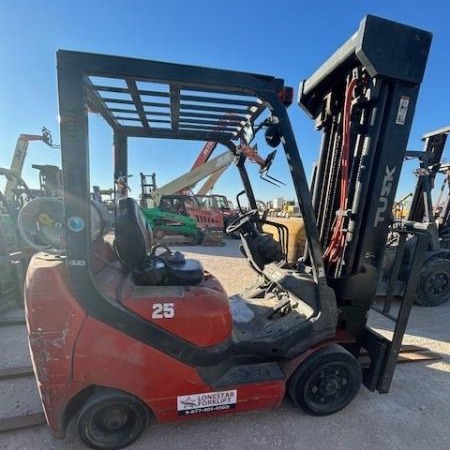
199 314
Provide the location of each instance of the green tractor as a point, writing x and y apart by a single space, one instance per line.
170 224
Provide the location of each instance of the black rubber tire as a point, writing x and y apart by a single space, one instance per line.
311 385
433 283
111 420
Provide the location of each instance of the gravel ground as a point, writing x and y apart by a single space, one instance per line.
414 415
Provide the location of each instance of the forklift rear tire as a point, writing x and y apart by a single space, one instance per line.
326 382
433 283
111 419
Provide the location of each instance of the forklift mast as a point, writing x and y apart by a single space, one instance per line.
362 99
433 149
147 188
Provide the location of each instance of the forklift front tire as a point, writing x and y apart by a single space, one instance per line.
111 420
326 382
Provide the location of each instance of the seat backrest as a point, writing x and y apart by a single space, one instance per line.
134 238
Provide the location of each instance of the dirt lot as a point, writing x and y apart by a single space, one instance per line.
414 415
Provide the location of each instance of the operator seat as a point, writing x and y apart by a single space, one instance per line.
134 247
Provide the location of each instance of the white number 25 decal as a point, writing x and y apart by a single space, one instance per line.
163 310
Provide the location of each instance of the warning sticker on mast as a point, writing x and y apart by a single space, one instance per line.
206 402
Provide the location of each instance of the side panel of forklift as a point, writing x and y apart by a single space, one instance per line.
141 328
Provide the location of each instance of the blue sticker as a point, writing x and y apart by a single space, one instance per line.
75 224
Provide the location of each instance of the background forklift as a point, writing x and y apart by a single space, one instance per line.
431 161
14 255
442 207
136 329
432 164
433 281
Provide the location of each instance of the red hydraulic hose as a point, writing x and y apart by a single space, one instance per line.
337 241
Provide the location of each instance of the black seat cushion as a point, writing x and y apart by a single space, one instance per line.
133 245
133 235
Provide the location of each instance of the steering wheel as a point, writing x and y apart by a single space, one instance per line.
241 220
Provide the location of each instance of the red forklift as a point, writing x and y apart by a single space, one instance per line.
122 331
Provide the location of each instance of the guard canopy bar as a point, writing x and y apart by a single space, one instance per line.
172 102
141 98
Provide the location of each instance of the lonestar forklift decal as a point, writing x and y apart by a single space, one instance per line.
206 402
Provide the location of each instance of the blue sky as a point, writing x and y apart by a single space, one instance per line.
288 39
